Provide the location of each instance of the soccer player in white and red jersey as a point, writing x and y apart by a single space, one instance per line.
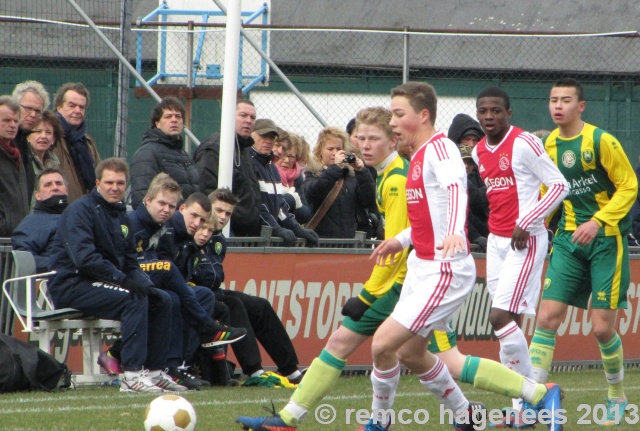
440 272
513 165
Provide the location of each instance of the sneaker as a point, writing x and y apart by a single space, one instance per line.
182 377
166 383
110 364
551 402
139 383
264 423
224 335
475 409
615 411
372 426
269 379
297 380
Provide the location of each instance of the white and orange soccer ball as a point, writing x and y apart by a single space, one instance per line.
170 413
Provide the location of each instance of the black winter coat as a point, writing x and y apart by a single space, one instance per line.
245 220
161 153
358 191
274 210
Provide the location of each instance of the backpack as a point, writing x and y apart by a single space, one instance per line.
24 367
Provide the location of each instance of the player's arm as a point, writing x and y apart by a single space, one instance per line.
615 162
396 220
452 177
555 186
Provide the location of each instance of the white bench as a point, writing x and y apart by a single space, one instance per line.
37 315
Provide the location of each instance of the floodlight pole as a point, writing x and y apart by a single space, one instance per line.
125 62
229 94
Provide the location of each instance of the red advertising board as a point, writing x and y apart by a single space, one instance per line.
308 291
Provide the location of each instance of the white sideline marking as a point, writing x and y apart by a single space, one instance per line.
246 401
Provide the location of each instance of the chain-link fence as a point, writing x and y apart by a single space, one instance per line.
338 71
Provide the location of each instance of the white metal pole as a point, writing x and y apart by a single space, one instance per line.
125 62
229 95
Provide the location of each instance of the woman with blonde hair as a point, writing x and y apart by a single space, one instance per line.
332 164
292 175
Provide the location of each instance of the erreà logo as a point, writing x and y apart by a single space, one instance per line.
125 230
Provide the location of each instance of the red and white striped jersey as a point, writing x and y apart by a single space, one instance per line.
513 172
436 198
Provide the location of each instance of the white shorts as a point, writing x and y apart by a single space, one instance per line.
432 291
514 277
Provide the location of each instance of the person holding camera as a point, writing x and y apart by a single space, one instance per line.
337 186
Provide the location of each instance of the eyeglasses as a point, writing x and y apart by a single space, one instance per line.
290 156
31 110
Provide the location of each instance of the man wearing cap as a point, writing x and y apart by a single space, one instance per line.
464 130
274 211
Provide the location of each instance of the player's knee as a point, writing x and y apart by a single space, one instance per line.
380 348
499 318
603 333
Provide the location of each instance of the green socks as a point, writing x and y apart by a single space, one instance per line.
494 377
318 381
612 362
541 350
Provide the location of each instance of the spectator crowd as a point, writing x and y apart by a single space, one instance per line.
142 242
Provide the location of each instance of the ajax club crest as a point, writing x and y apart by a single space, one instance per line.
417 171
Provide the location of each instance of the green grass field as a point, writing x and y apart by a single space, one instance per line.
105 408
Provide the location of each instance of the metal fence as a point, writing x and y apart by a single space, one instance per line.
338 71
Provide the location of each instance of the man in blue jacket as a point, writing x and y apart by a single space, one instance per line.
36 231
274 210
97 273
253 313
195 304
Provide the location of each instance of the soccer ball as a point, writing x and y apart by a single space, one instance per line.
170 413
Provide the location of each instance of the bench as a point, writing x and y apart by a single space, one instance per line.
37 315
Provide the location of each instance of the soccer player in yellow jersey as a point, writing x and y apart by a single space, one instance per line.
378 146
590 258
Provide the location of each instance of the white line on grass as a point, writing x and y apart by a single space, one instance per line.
246 401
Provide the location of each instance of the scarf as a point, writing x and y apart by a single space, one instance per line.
288 176
82 159
10 148
53 205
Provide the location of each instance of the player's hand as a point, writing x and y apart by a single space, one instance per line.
451 245
585 233
388 247
358 165
519 239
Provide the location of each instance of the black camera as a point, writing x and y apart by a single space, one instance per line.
349 158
